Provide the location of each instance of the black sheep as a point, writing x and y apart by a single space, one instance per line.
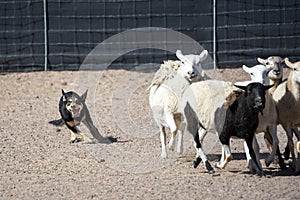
242 120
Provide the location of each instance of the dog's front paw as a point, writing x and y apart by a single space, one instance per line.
77 139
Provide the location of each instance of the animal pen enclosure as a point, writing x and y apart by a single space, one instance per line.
40 35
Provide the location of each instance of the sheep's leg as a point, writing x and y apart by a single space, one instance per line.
289 133
249 164
226 153
288 149
180 142
297 133
202 133
201 155
272 131
181 126
269 140
198 138
173 128
256 151
225 158
249 140
248 156
163 142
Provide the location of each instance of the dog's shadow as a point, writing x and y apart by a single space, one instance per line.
110 140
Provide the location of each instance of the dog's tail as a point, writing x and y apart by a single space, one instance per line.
57 122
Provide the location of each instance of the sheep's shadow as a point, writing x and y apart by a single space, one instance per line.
269 171
235 156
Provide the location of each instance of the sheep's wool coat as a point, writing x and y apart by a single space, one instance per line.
167 70
206 102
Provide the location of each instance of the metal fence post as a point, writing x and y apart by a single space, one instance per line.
45 36
214 33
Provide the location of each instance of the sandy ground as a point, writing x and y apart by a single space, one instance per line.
38 162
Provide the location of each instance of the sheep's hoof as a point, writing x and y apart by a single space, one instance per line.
222 165
286 153
171 147
179 150
164 155
268 161
197 162
209 168
219 165
292 164
281 163
260 173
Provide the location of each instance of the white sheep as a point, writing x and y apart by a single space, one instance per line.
258 73
166 90
276 78
268 120
276 74
287 98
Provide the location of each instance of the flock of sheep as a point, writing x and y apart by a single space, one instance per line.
184 99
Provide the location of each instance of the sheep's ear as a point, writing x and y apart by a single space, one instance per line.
262 61
266 87
180 56
241 85
246 69
288 63
202 56
84 95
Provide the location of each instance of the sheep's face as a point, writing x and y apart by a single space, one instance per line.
258 73
296 70
277 63
255 95
189 72
191 65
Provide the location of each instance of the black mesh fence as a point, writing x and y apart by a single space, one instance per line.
244 30
21 35
247 29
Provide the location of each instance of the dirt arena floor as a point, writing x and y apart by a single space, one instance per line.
38 161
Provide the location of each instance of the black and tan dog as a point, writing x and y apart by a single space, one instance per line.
73 111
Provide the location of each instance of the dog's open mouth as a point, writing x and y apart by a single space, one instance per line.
76 112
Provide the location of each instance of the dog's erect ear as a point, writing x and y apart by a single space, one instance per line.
63 94
84 95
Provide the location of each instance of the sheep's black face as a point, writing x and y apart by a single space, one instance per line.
255 93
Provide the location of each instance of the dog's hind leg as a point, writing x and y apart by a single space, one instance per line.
93 130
